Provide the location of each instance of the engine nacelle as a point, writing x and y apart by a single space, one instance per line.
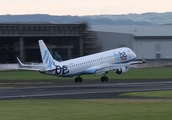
122 70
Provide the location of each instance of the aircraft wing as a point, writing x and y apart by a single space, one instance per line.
137 62
102 69
30 67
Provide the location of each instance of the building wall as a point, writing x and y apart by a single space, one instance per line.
109 40
153 48
21 40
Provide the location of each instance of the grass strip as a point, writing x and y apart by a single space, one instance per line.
144 73
110 109
161 94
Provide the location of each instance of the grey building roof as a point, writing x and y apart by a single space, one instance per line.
164 30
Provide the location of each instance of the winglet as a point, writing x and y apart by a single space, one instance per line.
143 60
20 62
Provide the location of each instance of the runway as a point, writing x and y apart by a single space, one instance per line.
82 91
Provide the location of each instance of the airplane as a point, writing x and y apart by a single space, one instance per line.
119 60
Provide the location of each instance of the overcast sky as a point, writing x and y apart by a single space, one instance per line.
83 7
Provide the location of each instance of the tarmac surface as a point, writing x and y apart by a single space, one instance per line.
89 89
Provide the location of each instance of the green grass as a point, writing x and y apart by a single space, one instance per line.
146 73
86 109
110 109
163 94
24 75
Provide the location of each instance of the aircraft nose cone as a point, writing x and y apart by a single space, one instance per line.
134 55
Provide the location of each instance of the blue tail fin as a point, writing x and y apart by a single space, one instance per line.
46 56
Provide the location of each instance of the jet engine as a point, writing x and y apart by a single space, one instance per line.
122 70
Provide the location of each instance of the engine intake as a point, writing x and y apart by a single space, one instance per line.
122 70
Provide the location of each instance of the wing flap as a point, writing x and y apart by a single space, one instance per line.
102 70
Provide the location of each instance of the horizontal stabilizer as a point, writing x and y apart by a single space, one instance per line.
30 67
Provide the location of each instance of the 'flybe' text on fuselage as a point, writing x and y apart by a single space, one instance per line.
120 56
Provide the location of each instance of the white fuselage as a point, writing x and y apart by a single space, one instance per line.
88 64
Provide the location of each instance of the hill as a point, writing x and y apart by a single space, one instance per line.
125 19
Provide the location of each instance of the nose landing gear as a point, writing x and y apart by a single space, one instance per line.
105 78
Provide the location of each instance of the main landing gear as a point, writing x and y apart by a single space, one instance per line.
104 79
78 79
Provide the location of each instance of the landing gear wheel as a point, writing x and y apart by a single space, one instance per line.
104 79
78 79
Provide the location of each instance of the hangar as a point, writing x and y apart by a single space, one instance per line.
153 42
65 41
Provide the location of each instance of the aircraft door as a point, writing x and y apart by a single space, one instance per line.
129 54
101 58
